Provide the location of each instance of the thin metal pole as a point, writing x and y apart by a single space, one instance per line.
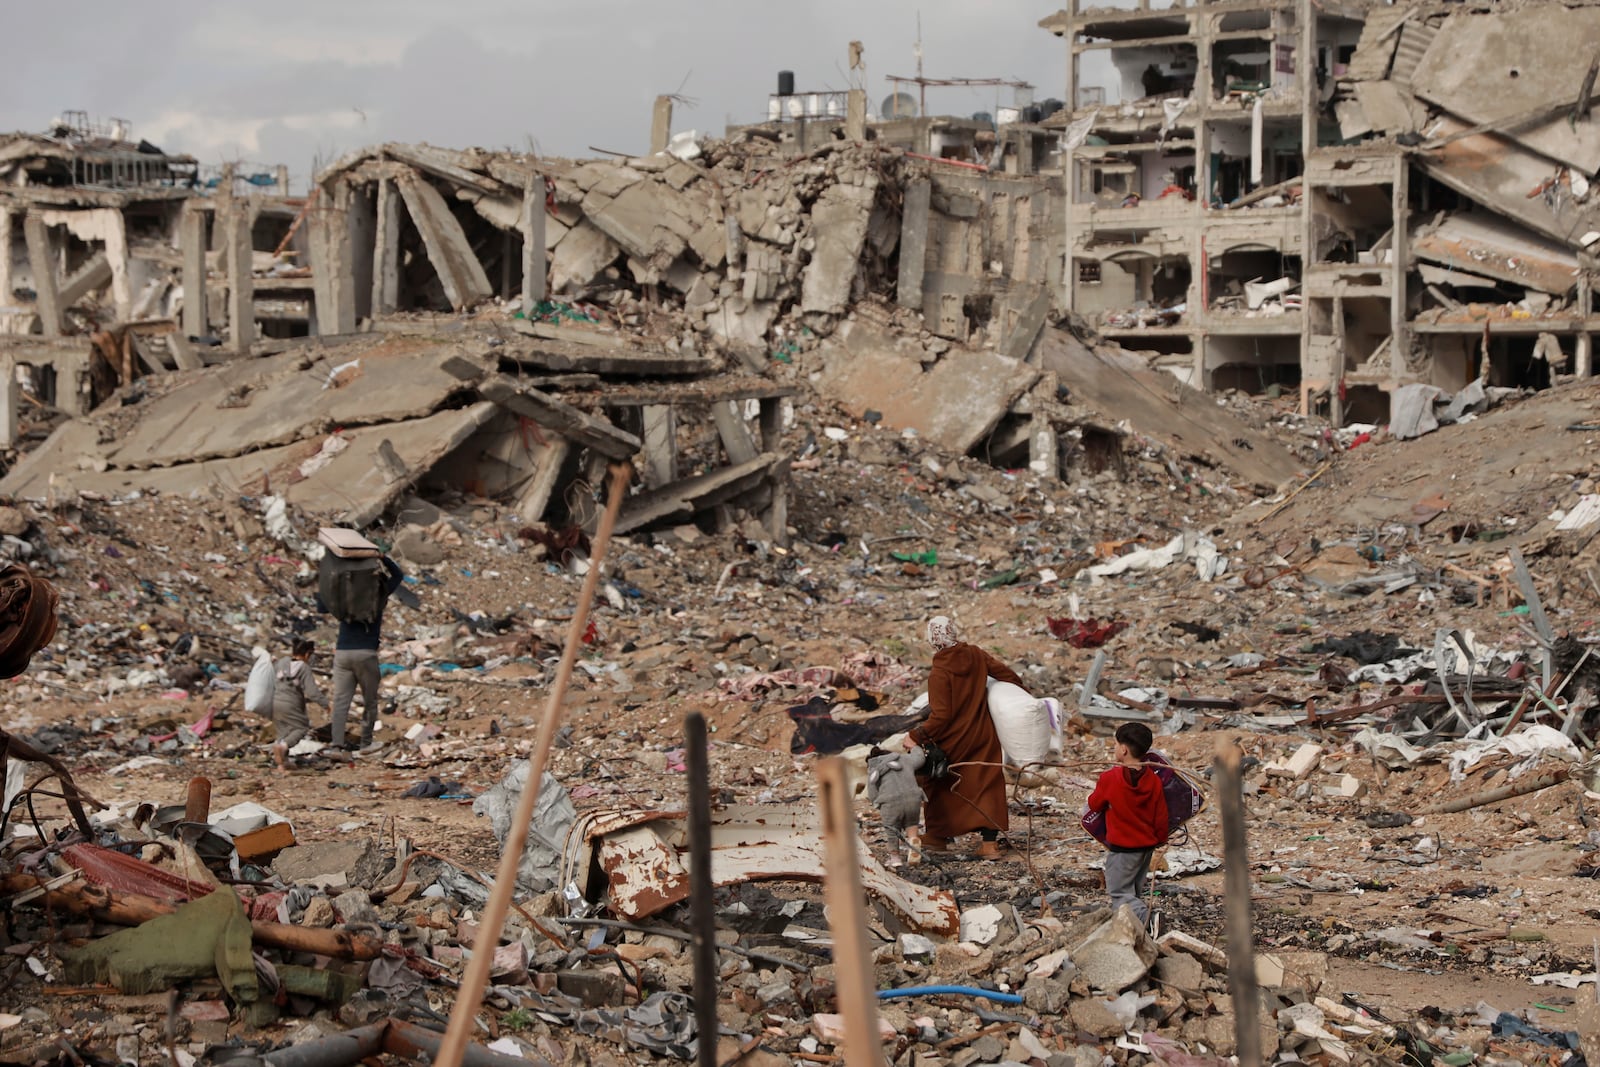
847 918
1236 867
469 995
702 913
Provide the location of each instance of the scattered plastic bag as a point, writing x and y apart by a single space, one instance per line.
553 816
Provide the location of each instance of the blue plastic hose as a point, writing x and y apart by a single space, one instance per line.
937 990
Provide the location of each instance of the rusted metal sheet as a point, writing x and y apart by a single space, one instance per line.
645 874
644 857
124 874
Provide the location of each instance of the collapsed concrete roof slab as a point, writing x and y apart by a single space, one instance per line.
245 406
590 353
1159 407
1498 172
1493 67
712 391
1495 248
544 409
957 402
683 499
353 481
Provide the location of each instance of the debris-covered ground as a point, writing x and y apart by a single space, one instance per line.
1309 629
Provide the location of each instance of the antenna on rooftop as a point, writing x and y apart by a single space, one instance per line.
916 49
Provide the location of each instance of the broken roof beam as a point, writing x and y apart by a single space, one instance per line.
443 163
94 274
566 420
685 498
449 250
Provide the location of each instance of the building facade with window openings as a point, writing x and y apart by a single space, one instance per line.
1335 198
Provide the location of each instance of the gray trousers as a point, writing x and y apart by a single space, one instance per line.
353 667
1125 880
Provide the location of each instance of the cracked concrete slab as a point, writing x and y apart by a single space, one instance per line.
957 402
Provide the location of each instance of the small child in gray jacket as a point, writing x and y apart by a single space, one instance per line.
292 687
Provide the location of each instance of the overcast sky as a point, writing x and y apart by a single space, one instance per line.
296 81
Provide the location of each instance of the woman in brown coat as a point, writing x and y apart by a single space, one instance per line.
973 796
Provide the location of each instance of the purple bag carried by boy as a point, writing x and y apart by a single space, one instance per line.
1184 801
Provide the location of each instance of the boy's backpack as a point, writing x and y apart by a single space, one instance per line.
350 577
261 685
1184 801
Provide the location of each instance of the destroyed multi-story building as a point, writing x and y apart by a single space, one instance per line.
118 259
1342 198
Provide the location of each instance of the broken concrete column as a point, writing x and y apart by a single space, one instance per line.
660 125
1583 351
114 232
42 262
1044 454
535 497
914 243
855 116
7 239
535 260
8 402
735 436
660 445
240 217
386 250
332 264
192 242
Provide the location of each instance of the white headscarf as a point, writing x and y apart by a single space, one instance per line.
942 633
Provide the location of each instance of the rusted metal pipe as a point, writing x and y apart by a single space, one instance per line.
134 909
197 806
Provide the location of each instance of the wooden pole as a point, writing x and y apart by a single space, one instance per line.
1319 472
1494 796
469 995
1238 919
702 909
847 919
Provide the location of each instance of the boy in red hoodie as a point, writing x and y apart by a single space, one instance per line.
1135 809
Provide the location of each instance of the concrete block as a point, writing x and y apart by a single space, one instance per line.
839 226
354 906
353 862
989 924
1297 766
1182 972
1116 954
580 257
1093 1015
